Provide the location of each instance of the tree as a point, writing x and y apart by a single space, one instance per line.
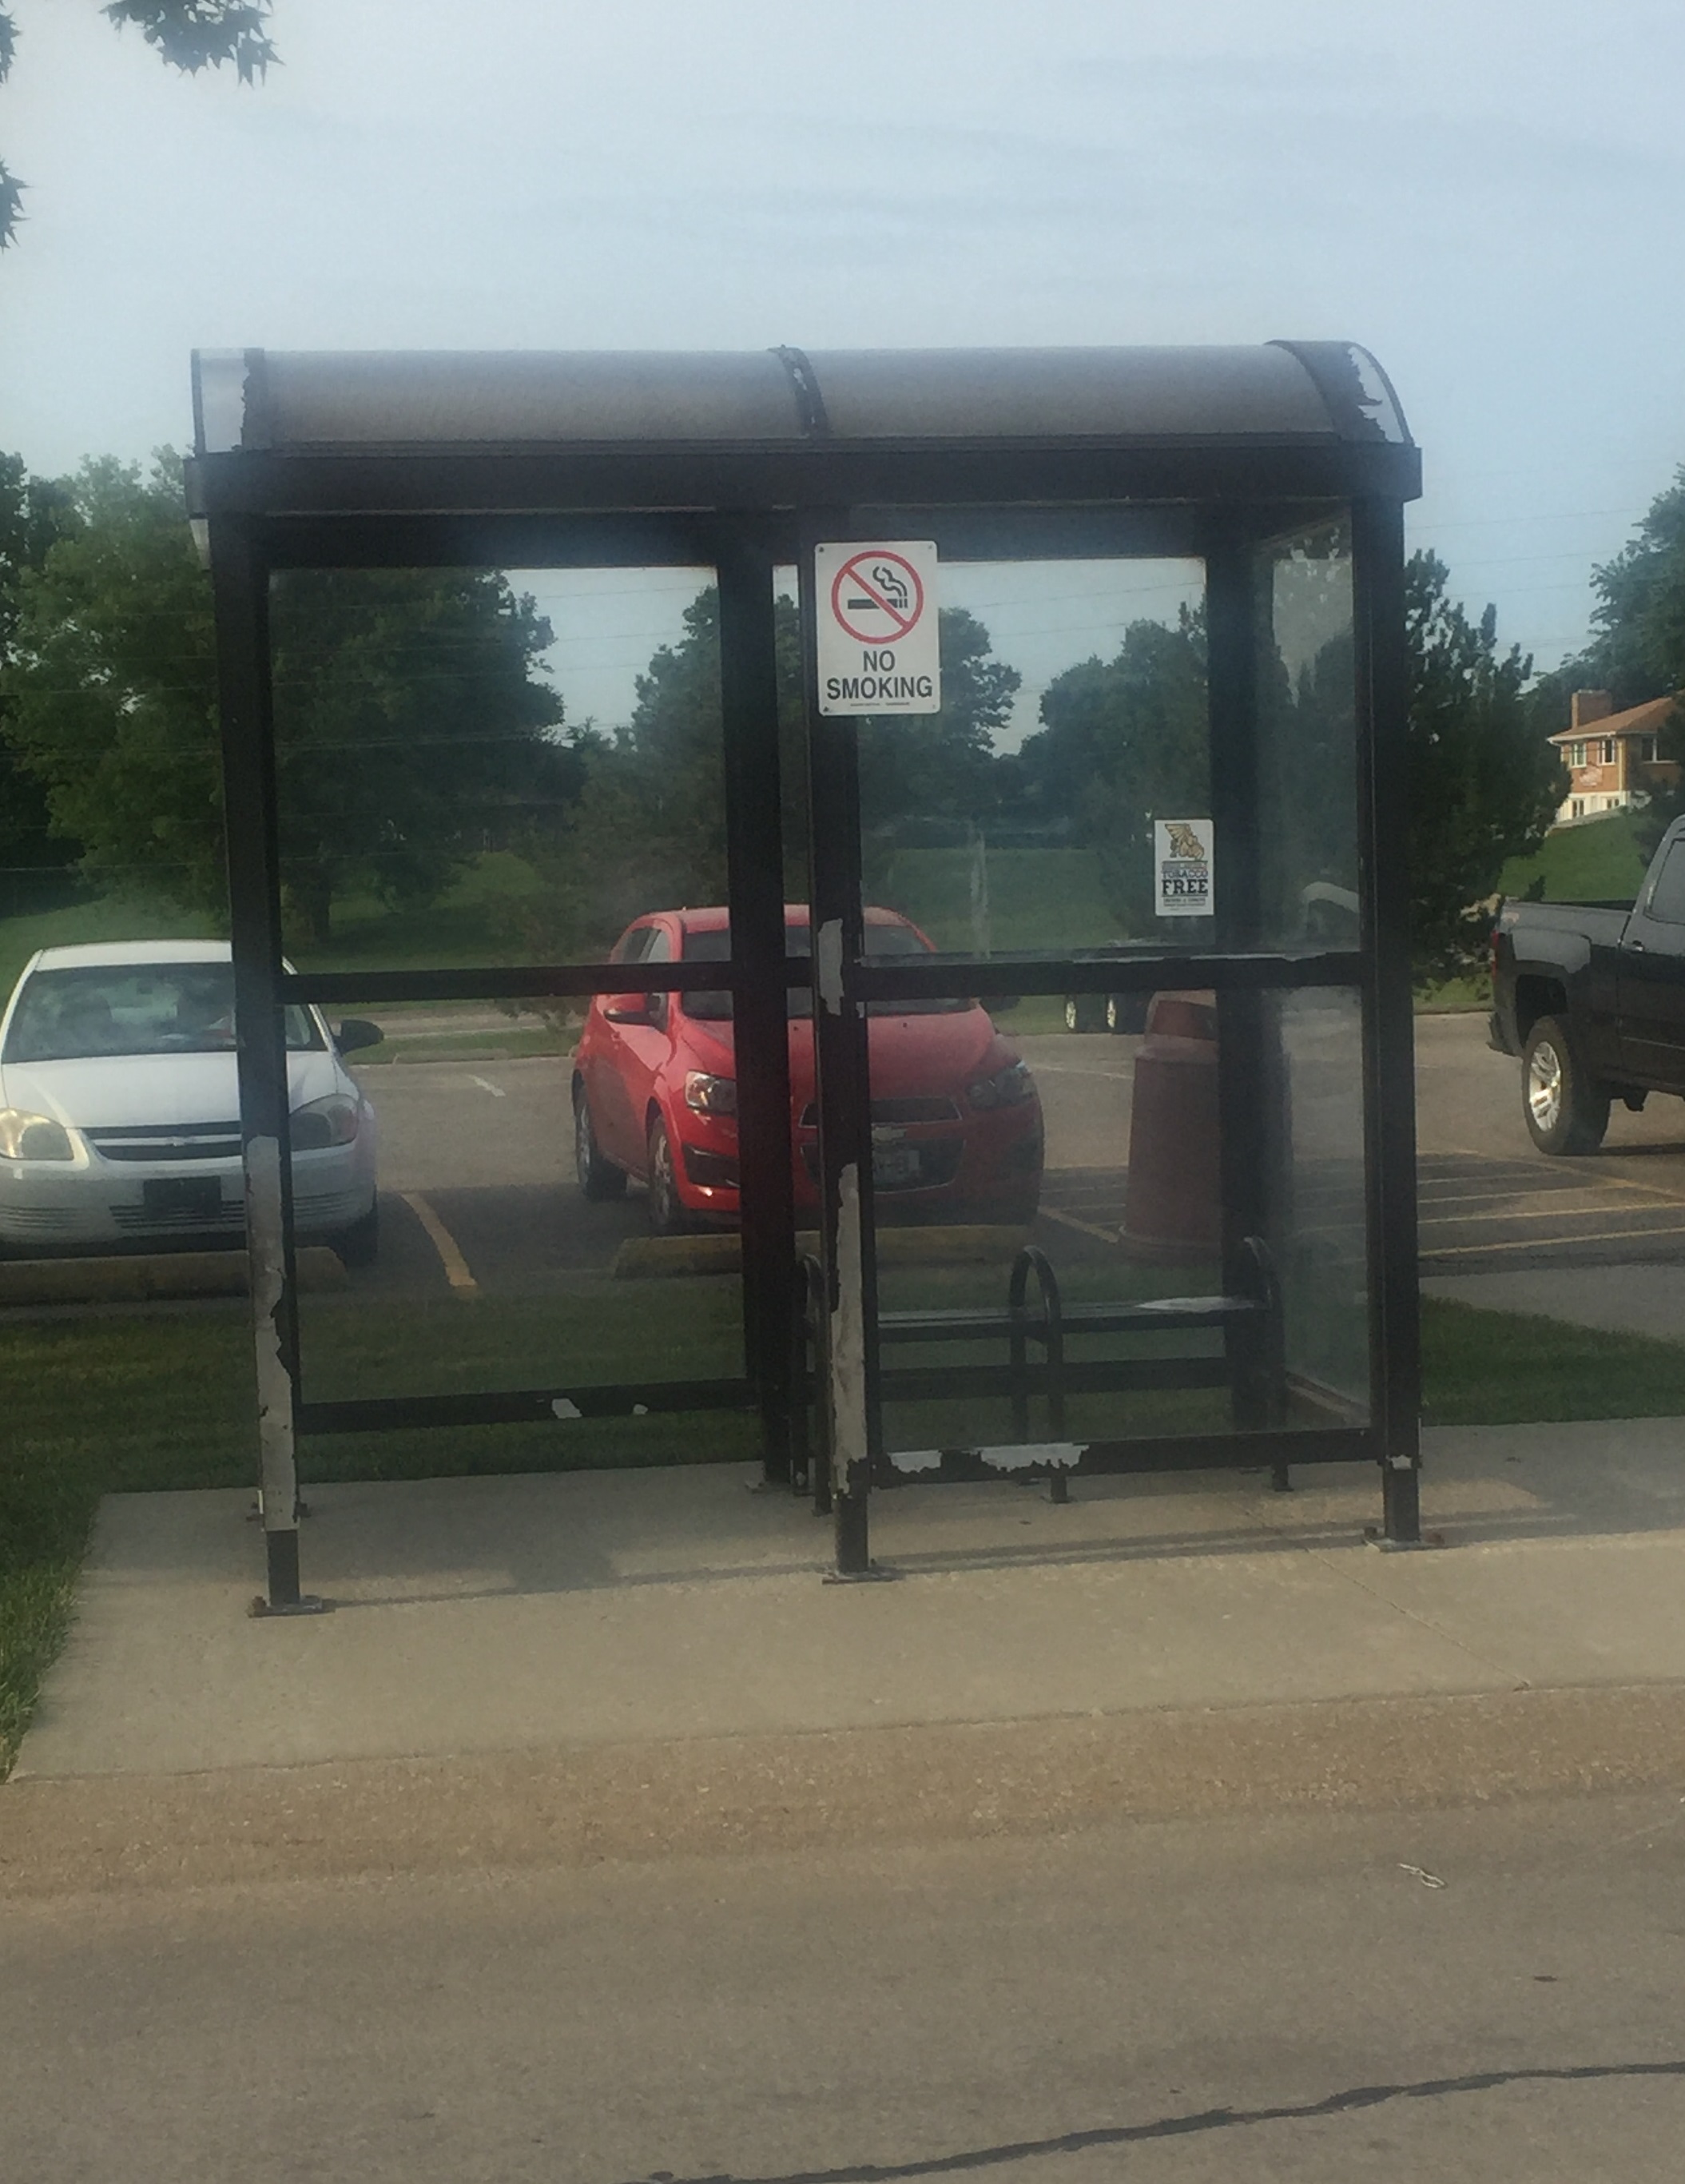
1484 785
1128 739
1637 647
940 766
650 827
1122 740
34 513
1638 650
191 35
410 733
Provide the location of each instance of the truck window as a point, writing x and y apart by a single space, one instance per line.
1667 904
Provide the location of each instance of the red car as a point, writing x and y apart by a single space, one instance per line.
956 1120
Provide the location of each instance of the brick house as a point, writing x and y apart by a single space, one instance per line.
1611 757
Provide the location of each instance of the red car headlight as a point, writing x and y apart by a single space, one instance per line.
710 1095
1008 1088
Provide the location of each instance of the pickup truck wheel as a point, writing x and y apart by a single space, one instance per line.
1567 1110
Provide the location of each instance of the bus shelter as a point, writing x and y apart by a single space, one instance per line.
979 952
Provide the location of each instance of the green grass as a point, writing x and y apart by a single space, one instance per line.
1037 898
138 1403
1454 996
474 922
1491 1368
471 923
111 918
469 1046
1599 861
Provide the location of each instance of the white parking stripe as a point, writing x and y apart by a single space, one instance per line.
497 1091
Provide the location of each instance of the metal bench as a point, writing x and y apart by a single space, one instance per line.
1251 1365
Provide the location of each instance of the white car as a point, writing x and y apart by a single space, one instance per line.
119 1108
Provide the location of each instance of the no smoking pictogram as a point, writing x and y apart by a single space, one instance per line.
877 597
879 642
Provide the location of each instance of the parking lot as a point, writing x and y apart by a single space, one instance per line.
478 1192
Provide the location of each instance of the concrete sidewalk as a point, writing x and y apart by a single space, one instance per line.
621 1663
1635 1299
501 1613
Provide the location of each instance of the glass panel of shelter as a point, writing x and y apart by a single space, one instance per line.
1209 1145
480 769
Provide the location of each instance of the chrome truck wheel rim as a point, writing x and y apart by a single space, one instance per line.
1545 1085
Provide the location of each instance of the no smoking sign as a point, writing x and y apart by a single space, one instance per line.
879 649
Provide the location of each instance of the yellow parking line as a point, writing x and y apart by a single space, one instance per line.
1532 1244
455 1266
1082 1228
1531 1213
1551 1191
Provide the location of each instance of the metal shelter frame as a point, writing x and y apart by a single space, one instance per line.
745 463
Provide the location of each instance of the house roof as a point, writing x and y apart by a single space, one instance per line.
1637 721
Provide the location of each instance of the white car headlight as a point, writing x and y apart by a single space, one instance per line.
329 1121
25 1137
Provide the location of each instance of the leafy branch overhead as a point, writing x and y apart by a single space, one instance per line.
191 35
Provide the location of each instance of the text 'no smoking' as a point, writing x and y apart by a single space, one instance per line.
879 644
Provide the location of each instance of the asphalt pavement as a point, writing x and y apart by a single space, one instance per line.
478 1192
1413 1996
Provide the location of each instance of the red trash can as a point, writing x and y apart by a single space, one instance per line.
1173 1206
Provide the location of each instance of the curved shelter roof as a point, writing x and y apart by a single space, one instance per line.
316 403
456 431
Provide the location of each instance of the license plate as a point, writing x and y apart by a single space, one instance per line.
199 1196
893 1164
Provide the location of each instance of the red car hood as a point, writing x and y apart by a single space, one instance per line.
933 1054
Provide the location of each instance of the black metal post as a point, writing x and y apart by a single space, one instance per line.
240 585
1389 1020
844 1088
748 692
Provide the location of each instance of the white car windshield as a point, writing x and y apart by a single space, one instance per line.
133 1008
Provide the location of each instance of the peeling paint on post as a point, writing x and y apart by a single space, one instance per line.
828 964
277 1456
851 1470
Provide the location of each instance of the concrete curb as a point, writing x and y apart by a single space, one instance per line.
145 1278
582 1804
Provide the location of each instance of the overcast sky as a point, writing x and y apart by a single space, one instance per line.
1487 193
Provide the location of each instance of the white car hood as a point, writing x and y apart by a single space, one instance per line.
118 1091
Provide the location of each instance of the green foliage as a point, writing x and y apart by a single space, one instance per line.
409 729
1483 787
940 766
1638 650
409 733
1123 739
191 35
33 516
109 687
649 829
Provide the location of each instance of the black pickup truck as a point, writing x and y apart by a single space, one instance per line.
1591 996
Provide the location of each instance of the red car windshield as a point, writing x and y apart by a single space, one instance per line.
881 940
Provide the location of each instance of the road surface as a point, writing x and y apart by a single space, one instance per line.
1492 1994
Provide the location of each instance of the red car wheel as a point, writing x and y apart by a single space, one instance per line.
667 1215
